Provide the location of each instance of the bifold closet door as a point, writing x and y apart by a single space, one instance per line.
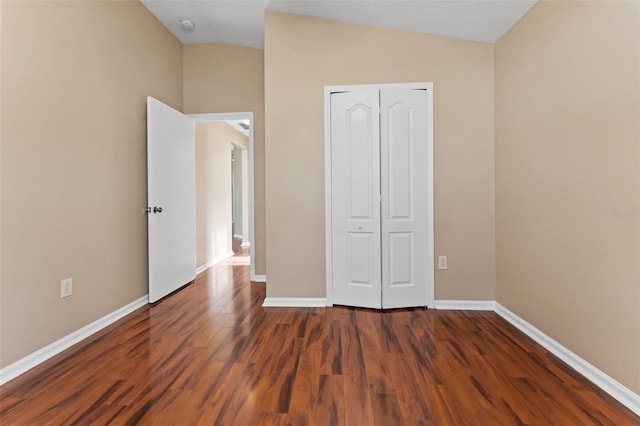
403 178
379 198
355 198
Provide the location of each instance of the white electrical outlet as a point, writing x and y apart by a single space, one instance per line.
66 288
442 262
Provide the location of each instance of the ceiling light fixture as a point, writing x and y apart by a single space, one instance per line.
187 25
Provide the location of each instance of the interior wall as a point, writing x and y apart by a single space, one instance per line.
1 61
73 166
213 190
304 54
226 78
567 82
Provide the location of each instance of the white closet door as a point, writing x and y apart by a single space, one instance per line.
355 192
403 141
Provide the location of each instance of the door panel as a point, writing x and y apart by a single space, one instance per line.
171 187
361 248
355 189
358 142
399 125
400 259
403 149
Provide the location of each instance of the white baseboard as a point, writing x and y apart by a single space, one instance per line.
214 262
200 269
38 357
238 236
246 244
259 279
607 383
465 305
295 302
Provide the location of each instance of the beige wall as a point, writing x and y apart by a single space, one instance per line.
567 158
302 55
1 185
213 189
226 78
75 76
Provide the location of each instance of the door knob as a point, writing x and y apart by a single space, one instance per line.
157 209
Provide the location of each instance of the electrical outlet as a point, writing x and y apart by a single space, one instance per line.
442 262
66 288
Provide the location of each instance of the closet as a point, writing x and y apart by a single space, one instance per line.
380 207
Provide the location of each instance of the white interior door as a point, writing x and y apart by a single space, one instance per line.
403 177
355 198
171 197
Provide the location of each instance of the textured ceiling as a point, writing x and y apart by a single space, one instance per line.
241 22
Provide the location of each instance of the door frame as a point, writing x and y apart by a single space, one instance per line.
246 115
328 90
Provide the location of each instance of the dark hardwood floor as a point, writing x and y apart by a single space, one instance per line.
210 354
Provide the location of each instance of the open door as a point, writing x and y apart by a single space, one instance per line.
171 197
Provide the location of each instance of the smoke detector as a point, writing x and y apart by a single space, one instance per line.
187 25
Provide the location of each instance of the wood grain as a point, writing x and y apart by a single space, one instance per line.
211 355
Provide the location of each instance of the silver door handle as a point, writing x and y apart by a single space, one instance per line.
157 209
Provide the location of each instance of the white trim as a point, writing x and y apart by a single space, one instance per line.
431 292
223 116
246 244
295 302
328 225
240 116
238 236
238 127
214 262
328 90
352 87
259 279
465 305
19 367
607 383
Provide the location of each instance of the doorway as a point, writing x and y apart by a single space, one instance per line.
242 122
379 195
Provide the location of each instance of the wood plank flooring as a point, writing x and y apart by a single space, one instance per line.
210 354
